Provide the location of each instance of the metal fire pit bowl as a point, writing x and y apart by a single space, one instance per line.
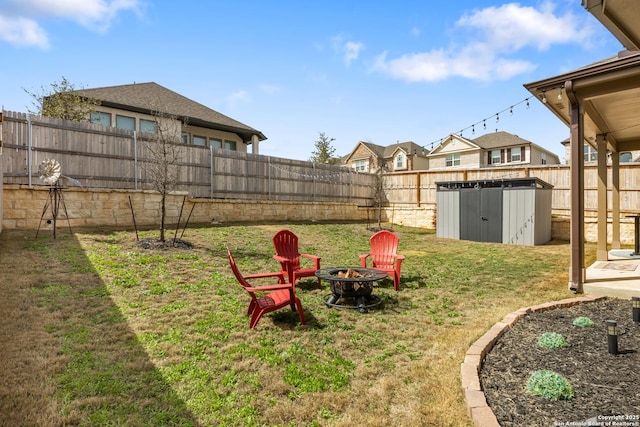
358 288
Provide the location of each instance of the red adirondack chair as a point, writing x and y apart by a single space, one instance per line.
384 256
288 255
269 297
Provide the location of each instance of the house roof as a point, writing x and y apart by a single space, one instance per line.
141 97
504 139
388 151
408 147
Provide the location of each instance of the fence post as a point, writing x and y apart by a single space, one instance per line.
29 144
211 171
269 178
135 160
314 181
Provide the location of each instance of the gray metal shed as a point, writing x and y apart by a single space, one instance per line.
513 211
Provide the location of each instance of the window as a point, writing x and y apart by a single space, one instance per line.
495 157
148 126
199 140
515 154
400 161
100 118
215 143
626 157
361 165
124 122
185 138
543 158
453 160
590 154
230 145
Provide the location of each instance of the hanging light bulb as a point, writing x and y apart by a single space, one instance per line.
497 117
511 110
560 94
473 129
527 103
484 124
544 98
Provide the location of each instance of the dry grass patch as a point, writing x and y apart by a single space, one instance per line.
133 336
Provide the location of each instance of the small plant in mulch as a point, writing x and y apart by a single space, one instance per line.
583 322
552 340
550 385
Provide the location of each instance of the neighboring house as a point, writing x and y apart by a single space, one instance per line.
591 154
402 156
489 150
137 107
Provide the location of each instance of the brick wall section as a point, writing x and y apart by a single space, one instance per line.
23 209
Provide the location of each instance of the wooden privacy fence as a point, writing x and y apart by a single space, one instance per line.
106 157
418 188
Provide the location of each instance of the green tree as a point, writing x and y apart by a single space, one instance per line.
324 151
63 100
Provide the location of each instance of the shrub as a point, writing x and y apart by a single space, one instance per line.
550 385
582 322
552 340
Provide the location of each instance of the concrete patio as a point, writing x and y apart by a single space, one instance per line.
618 277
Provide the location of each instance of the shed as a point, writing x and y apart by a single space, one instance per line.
513 211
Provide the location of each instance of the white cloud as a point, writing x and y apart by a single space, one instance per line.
494 34
511 26
350 50
269 88
238 97
22 32
21 17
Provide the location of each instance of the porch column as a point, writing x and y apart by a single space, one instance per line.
255 144
615 200
576 111
601 146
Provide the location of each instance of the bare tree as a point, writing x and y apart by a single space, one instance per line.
379 194
164 153
64 101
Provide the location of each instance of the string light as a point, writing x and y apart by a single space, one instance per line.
510 109
544 97
560 93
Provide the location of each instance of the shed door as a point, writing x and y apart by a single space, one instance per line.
481 214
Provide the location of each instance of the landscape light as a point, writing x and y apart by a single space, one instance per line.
635 302
612 337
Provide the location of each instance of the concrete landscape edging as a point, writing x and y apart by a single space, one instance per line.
477 407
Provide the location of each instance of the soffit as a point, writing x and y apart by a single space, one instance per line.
610 94
620 17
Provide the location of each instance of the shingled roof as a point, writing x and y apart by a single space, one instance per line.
139 97
499 139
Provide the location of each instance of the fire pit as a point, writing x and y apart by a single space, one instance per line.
351 282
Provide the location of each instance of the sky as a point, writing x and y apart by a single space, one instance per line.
354 70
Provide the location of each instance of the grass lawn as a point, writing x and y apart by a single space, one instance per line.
98 331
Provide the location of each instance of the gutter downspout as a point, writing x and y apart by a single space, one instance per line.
576 113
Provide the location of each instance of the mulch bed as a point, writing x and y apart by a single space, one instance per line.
605 385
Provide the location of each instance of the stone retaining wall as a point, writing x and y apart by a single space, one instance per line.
24 206
23 209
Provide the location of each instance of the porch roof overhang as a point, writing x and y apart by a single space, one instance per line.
609 93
